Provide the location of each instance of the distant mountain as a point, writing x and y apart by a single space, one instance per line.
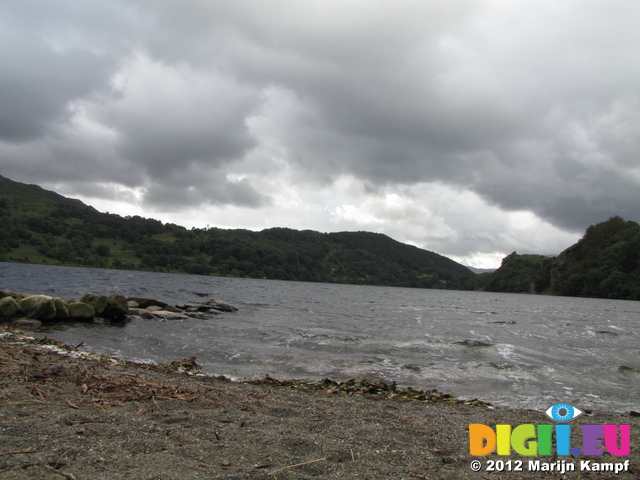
604 263
481 270
39 226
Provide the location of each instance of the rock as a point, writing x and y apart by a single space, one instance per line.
81 311
165 315
218 304
98 302
23 322
41 307
62 310
9 308
147 302
16 296
133 304
117 306
156 308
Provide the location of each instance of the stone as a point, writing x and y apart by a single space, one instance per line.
117 306
9 308
218 304
41 307
14 295
62 310
98 302
165 315
23 322
81 311
147 302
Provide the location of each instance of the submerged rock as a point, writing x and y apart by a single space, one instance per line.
145 303
165 315
24 322
218 304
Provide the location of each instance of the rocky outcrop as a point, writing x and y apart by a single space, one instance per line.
35 310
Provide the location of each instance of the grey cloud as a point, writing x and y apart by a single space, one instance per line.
532 106
205 188
36 91
52 55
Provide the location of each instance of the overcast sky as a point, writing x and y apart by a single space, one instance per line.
470 128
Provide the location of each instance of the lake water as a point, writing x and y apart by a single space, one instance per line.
515 350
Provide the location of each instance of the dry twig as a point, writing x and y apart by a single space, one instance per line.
69 476
298 465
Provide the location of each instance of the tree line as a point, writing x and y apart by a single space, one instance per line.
43 227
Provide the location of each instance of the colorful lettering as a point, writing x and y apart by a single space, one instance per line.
531 440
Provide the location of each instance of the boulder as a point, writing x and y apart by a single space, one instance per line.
98 302
62 310
41 307
117 306
218 304
81 311
9 308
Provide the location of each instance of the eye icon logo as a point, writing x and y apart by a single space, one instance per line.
563 412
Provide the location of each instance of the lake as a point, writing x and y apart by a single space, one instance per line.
515 350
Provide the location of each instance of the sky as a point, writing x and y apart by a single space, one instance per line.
471 128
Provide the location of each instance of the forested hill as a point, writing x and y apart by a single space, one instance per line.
39 226
605 263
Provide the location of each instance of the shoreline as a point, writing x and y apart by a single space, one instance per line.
365 385
87 416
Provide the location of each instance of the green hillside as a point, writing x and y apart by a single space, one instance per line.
38 226
604 263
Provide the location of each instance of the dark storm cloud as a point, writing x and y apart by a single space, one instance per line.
53 54
36 85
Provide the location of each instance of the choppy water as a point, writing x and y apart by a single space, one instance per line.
516 350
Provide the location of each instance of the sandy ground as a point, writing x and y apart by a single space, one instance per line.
82 417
